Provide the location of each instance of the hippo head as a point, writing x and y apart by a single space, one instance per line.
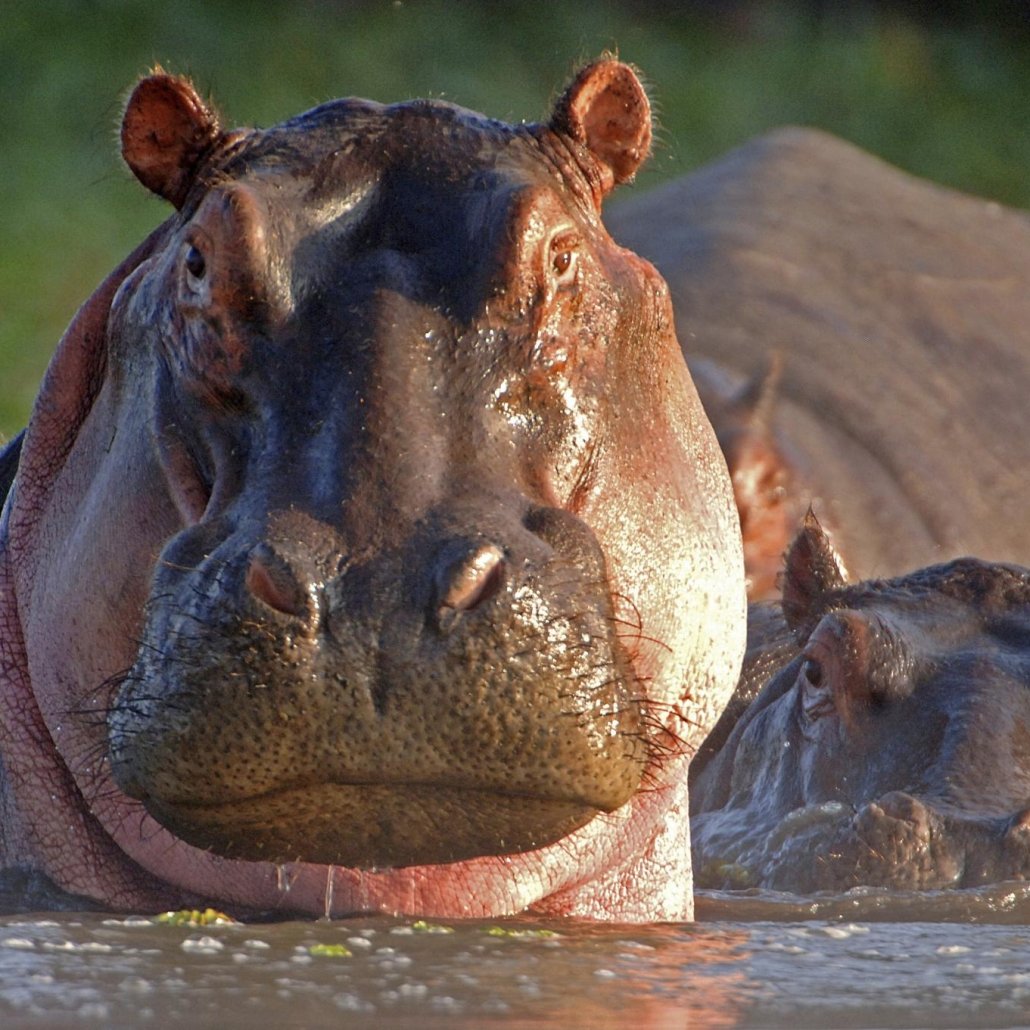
893 750
390 535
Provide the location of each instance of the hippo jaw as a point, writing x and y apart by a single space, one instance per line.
373 825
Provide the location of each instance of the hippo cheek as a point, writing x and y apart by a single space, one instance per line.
402 713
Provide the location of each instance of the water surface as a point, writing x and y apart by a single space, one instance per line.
751 960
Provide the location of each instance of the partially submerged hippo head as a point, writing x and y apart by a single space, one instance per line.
368 519
893 750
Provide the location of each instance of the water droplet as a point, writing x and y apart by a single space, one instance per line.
282 880
329 892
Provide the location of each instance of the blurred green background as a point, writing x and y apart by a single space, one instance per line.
940 89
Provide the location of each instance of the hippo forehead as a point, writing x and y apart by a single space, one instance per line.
985 598
426 180
414 155
435 137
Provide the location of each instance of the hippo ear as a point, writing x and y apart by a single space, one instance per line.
606 109
761 476
754 402
167 131
813 574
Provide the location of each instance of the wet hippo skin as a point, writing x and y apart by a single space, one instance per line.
880 734
369 549
861 341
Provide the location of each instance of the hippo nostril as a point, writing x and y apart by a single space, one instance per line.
271 580
469 581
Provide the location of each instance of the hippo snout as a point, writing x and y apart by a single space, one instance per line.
466 574
465 693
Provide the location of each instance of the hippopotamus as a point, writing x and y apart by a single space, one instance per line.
885 733
369 549
861 341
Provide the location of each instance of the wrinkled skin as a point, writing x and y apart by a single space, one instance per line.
899 315
369 549
892 749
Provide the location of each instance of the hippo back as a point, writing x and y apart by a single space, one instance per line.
902 315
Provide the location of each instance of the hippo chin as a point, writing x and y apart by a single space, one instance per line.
891 746
368 539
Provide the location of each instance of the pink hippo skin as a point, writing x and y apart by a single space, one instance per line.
369 550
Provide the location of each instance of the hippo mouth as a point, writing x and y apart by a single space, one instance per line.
374 825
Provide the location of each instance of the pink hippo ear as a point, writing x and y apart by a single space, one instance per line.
167 132
606 109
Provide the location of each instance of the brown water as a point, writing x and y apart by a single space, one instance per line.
757 960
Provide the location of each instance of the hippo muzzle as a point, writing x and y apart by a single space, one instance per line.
462 694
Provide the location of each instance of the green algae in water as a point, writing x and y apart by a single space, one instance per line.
330 951
505 931
195 917
421 926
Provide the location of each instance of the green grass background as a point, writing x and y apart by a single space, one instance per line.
946 102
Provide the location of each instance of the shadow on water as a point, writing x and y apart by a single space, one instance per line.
753 959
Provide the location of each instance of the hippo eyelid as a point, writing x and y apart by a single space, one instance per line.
814 694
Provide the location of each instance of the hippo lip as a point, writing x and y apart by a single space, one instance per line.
374 825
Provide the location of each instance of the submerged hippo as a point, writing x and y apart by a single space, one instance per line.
892 750
861 341
369 549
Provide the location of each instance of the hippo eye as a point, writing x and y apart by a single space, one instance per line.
196 266
814 697
812 672
564 258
